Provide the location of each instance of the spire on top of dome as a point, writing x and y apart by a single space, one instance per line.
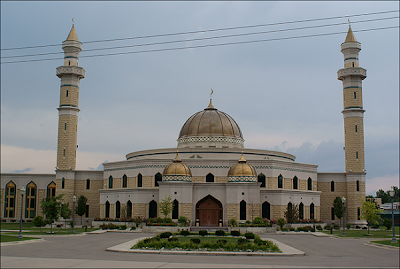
350 36
242 160
72 34
177 157
211 106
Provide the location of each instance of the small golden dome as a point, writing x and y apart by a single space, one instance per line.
242 169
72 35
210 122
350 36
177 168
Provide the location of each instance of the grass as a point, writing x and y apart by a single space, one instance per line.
363 233
11 238
388 243
30 229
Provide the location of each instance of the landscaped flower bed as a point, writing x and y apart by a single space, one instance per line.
207 242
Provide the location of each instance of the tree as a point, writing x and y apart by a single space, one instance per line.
291 213
384 195
370 212
166 206
81 206
338 207
280 222
65 212
51 207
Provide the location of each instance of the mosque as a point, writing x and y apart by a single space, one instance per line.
210 175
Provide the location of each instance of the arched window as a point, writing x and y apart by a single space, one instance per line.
242 210
117 209
153 209
309 184
129 209
107 208
312 211
9 206
332 186
266 210
301 211
295 183
62 183
157 178
210 178
280 181
30 200
51 190
124 181
110 182
88 184
175 210
261 178
358 185
139 180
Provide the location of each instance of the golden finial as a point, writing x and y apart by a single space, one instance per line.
73 21
242 159
349 22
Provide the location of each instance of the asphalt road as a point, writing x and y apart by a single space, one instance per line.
90 251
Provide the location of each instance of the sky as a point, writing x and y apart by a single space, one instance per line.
282 90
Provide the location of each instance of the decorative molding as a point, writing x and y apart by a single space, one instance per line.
177 178
352 71
76 70
242 179
200 139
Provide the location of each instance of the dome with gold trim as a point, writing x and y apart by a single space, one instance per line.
177 171
212 128
242 172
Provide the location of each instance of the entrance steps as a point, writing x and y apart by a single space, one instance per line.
211 229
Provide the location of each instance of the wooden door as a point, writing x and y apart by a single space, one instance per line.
209 212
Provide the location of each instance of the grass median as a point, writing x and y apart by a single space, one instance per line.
12 238
30 229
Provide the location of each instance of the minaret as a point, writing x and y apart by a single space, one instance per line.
70 74
351 76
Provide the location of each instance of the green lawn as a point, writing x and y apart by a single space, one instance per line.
15 226
388 243
30 229
11 238
363 233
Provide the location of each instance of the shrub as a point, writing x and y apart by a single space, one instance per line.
242 241
159 220
235 233
300 229
327 227
232 222
182 220
387 223
122 227
203 232
348 226
249 235
291 229
221 241
172 239
195 240
112 226
151 220
307 228
38 221
248 222
133 228
319 228
284 229
167 220
104 226
280 222
336 227
185 233
165 235
258 220
220 233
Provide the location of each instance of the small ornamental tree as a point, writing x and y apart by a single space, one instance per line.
166 206
65 212
338 207
370 213
280 222
81 206
51 207
292 213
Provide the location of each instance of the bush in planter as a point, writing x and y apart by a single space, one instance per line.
319 228
104 226
203 232
291 229
151 220
159 220
235 233
284 229
221 241
232 222
327 227
167 220
348 226
184 233
336 227
247 222
307 228
122 227
249 235
182 220
220 233
133 228
165 235
258 220
195 240
300 229
38 221
242 241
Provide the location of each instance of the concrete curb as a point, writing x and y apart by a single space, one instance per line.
22 242
286 250
380 246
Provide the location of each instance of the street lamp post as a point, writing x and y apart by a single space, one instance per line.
392 193
344 219
22 191
73 214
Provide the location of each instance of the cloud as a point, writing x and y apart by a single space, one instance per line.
384 183
22 171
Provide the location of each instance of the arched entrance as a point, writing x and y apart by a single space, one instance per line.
209 211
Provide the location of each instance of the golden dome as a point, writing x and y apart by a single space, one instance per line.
242 169
177 168
210 122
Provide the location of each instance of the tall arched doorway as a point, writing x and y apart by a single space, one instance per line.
209 211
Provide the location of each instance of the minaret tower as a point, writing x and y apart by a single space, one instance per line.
70 74
351 76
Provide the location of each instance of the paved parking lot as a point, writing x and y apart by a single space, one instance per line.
90 251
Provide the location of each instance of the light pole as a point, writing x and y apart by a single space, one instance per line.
344 219
22 191
73 214
392 193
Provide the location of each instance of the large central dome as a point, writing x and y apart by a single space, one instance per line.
210 128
